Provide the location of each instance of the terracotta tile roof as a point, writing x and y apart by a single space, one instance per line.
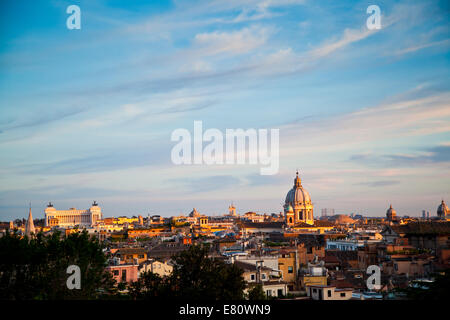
423 228
311 240
343 255
323 223
167 249
262 225
330 259
131 251
317 224
249 266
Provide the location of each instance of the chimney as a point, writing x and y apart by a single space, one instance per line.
259 265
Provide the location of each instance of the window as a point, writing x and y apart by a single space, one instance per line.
342 294
290 269
116 272
141 256
263 276
252 277
329 293
309 250
269 293
124 275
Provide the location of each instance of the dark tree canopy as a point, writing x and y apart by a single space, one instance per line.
437 290
195 277
149 286
256 293
36 268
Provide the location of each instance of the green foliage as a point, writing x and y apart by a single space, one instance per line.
437 290
149 285
198 277
36 268
275 244
195 277
256 293
121 286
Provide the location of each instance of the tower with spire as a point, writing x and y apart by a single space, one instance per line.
232 210
29 227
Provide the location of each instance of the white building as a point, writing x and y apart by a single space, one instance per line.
344 245
161 268
328 293
72 217
270 262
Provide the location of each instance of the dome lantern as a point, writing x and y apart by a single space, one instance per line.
297 181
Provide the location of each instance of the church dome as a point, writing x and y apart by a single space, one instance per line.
194 213
391 214
298 207
297 196
391 211
442 210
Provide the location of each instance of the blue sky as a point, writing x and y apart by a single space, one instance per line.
87 114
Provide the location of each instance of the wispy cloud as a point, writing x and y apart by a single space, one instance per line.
442 43
406 118
215 182
104 161
236 42
356 109
39 119
437 154
379 183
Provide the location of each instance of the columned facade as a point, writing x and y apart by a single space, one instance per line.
72 217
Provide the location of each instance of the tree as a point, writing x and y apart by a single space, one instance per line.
195 276
437 290
256 293
37 268
149 285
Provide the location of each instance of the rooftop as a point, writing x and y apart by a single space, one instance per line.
423 228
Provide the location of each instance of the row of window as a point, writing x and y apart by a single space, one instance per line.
124 274
253 276
269 293
329 294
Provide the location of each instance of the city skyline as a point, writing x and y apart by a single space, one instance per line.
226 212
88 114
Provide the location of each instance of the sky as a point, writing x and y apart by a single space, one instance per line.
87 114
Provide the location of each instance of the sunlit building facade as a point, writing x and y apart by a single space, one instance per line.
298 206
72 217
